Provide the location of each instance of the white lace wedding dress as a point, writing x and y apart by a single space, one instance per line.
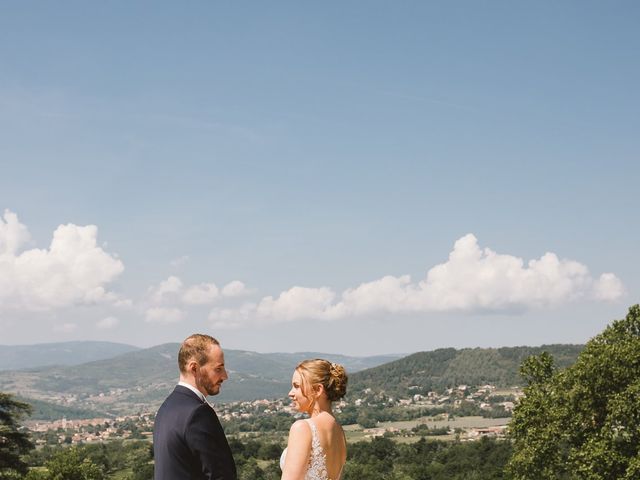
317 461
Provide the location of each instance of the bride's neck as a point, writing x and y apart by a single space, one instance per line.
321 407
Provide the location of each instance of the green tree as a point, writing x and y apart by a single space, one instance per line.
367 420
250 470
70 465
13 441
582 422
37 475
142 471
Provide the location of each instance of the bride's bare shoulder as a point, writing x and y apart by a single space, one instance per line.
300 428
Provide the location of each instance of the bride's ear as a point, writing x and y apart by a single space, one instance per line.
319 390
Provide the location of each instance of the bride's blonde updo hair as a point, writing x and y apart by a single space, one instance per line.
332 376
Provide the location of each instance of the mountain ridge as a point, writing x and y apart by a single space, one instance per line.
14 357
139 380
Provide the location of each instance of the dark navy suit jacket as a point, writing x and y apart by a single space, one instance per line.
188 440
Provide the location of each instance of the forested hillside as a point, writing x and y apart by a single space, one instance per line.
447 367
139 380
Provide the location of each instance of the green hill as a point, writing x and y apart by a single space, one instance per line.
139 380
440 369
13 357
50 411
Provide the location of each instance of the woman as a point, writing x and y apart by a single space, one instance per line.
317 448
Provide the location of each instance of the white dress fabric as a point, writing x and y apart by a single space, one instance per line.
317 469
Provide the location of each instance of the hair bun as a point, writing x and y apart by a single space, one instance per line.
337 385
332 376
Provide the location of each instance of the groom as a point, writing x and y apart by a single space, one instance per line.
188 440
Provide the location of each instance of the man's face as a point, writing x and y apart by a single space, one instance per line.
210 376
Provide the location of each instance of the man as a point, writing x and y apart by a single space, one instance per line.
188 440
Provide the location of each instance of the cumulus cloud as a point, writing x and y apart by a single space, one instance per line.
234 289
72 271
202 294
164 315
13 234
173 291
608 287
471 280
108 323
232 317
295 303
166 290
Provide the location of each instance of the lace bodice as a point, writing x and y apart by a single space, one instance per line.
317 460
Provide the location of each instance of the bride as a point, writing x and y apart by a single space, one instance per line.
317 448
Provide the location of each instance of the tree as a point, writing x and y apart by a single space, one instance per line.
582 422
13 441
69 465
142 471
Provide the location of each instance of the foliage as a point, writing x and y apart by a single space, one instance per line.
14 442
383 459
582 422
71 464
448 367
142 470
111 459
42 410
247 453
279 422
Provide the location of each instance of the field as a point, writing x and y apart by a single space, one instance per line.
356 433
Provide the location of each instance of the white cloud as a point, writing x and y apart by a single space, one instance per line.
167 290
73 270
108 323
234 289
471 280
232 317
608 287
13 234
164 315
296 303
172 291
202 294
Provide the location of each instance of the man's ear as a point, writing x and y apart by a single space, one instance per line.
192 366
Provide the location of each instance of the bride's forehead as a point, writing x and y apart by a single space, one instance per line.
296 378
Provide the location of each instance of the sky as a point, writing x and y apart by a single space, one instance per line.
343 177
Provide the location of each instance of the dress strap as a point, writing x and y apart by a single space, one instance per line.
318 460
314 432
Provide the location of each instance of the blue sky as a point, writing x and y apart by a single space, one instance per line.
310 157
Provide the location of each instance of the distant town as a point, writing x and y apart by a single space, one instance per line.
464 412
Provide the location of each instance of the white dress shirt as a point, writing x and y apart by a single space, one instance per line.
194 390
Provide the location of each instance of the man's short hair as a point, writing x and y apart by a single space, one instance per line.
195 347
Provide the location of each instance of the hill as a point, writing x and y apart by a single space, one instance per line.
13 357
440 369
140 380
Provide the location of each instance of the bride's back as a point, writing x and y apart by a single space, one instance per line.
333 443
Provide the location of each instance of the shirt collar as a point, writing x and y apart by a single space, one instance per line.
194 390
